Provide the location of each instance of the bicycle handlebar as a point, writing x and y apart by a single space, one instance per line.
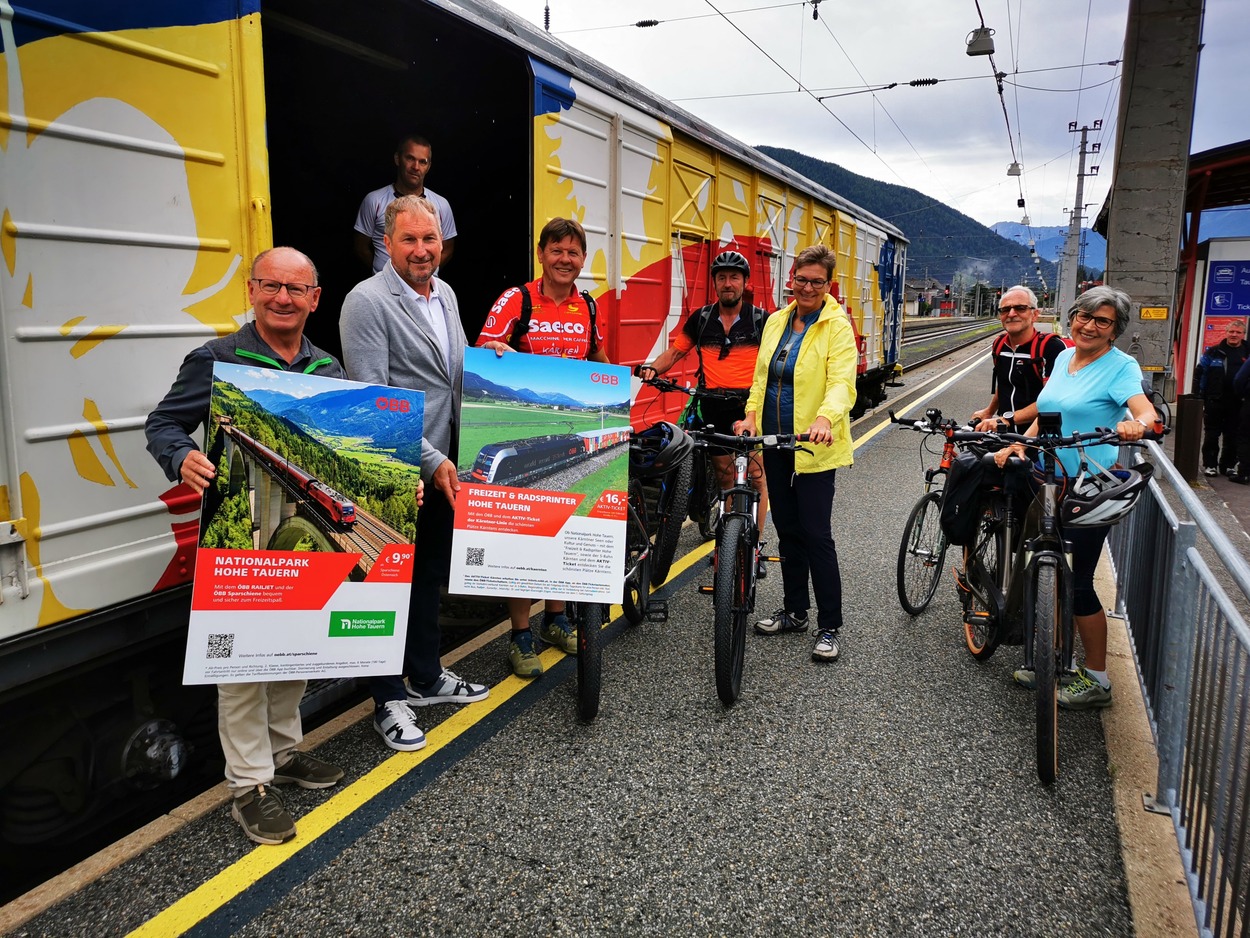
664 385
747 443
950 429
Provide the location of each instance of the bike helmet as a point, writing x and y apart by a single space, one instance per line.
658 448
732 260
1098 500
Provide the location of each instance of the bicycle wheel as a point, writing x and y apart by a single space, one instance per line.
730 601
705 504
637 593
674 500
981 626
1046 611
921 554
589 618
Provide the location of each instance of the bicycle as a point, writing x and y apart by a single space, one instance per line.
703 499
737 556
1020 573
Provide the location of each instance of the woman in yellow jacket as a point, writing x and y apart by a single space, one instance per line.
805 382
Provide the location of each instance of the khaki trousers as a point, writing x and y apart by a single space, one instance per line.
260 727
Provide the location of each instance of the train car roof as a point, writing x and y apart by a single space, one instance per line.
495 19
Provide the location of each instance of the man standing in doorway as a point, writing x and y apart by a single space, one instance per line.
1023 361
413 158
1221 404
402 327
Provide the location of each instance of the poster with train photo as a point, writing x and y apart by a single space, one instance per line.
544 470
306 535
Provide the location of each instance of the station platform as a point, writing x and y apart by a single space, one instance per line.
893 792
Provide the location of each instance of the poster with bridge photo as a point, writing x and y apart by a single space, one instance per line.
306 534
544 469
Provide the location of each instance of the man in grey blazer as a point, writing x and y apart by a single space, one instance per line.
402 327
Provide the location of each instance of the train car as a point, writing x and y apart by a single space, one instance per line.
596 441
151 150
339 509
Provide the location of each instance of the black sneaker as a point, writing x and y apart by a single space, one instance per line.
782 621
262 815
306 772
1240 479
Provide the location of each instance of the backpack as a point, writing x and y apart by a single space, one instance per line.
1036 349
527 311
705 316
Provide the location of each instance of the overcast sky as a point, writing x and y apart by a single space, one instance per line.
949 140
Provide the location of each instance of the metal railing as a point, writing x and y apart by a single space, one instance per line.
1184 590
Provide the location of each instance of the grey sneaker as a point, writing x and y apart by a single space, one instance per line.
449 687
560 633
306 772
262 815
782 621
1027 679
1084 693
826 648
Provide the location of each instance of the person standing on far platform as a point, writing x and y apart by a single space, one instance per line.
258 722
1221 403
413 158
402 327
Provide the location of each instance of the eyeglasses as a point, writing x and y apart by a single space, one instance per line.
1017 308
274 287
801 282
1102 322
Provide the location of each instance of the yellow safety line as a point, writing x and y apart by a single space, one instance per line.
201 902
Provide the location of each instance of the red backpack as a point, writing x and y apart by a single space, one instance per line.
1036 348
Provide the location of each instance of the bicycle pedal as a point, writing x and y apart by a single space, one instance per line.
771 559
657 611
706 590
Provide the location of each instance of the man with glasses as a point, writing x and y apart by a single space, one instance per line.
1023 361
402 327
258 722
726 337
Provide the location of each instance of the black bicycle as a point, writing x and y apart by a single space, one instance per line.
737 556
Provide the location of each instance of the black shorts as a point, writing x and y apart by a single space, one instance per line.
721 414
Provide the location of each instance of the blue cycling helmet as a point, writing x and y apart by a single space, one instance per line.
658 448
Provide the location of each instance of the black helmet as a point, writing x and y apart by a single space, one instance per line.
1097 501
658 448
731 260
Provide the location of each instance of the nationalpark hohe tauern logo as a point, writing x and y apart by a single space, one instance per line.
357 624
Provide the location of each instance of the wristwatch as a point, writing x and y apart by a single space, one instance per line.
1010 416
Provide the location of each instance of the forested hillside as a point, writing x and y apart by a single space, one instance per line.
944 242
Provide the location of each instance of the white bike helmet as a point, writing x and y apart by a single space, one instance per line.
1095 501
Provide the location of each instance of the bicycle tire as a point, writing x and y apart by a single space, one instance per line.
589 618
982 630
636 594
676 499
921 554
707 501
730 591
1046 611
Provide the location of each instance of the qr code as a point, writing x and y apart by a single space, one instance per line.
221 645
475 557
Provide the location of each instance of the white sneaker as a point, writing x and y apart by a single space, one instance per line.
449 688
826 648
1210 471
395 723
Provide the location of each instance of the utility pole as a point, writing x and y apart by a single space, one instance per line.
1071 245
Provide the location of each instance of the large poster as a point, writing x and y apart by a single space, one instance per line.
544 469
306 536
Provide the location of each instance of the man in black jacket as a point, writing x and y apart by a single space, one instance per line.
1221 403
258 722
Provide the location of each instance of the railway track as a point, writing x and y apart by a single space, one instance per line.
926 340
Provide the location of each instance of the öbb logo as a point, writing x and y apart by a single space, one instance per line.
392 403
599 378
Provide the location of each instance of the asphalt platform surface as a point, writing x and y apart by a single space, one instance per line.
893 792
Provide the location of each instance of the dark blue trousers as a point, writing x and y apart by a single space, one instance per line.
802 508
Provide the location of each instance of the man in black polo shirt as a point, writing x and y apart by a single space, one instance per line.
1023 361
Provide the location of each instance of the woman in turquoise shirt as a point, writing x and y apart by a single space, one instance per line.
1093 385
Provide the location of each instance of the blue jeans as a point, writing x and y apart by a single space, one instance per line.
802 507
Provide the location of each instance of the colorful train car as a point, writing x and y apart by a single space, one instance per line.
337 507
150 150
